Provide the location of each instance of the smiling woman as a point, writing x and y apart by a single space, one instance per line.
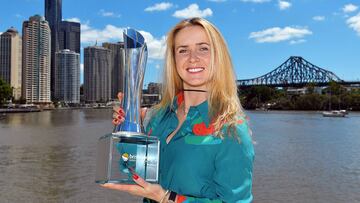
206 147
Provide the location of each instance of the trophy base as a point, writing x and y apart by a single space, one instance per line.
122 154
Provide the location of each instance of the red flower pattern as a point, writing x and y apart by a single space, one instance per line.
180 198
180 98
200 129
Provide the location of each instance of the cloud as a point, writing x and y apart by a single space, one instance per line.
82 68
19 15
256 1
292 42
354 23
91 35
193 11
277 34
283 5
156 46
217 1
163 6
104 13
76 20
319 18
348 8
111 33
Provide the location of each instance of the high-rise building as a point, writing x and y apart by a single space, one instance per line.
97 74
36 60
67 83
69 36
118 63
53 14
11 60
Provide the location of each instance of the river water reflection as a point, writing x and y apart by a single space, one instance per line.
300 157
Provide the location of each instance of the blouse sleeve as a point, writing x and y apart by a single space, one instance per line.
233 168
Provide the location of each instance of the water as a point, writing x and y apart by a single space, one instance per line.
300 157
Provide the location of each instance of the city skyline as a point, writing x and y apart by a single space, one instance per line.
260 34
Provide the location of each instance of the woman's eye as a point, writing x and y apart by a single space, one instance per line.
204 49
183 51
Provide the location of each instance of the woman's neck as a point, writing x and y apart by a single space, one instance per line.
194 98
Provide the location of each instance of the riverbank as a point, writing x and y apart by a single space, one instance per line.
19 110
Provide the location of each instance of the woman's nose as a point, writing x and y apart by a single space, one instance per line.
193 56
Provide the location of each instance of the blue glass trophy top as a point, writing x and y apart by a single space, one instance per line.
133 39
133 75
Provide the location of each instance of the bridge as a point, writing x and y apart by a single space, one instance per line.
295 72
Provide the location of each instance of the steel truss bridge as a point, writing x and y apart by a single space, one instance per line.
295 72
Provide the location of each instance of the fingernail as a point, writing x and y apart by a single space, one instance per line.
135 177
119 117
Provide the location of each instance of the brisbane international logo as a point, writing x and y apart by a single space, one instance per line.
128 157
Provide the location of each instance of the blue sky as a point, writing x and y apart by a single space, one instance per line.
261 34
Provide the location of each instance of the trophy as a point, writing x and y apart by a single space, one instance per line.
128 150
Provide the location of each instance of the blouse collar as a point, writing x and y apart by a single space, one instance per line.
202 108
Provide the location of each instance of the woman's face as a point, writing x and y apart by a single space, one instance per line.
192 57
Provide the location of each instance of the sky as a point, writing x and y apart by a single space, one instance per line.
260 34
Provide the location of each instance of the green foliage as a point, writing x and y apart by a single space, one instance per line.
310 88
310 102
334 88
284 103
256 95
5 91
334 97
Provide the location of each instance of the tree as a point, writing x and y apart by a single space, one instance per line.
334 88
5 91
310 88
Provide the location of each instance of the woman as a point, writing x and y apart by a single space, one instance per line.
206 147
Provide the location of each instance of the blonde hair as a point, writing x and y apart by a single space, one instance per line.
224 104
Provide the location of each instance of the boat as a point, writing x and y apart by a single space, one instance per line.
344 111
334 113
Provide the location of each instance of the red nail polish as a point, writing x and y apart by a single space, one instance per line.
135 177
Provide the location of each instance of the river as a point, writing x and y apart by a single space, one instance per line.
300 157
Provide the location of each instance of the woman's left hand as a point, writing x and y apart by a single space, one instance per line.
142 189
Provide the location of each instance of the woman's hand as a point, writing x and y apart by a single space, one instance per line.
142 189
119 113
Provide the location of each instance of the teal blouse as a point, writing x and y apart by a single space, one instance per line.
197 165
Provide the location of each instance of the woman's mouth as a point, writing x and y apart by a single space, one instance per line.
195 69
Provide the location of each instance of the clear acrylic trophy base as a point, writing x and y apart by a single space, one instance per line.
121 154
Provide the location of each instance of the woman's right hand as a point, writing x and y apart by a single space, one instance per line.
118 112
